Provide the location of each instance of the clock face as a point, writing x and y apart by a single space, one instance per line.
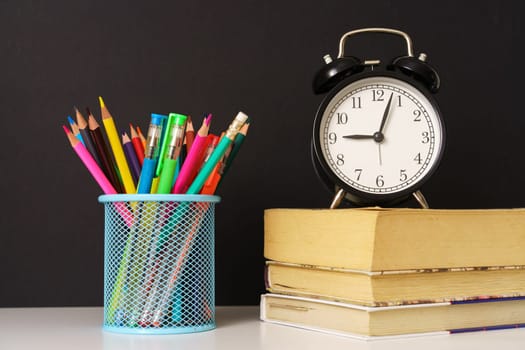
380 135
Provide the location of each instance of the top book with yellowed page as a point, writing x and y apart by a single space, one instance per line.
377 239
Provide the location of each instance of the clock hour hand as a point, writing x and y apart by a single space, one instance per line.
386 113
358 137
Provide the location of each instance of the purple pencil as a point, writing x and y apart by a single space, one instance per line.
132 158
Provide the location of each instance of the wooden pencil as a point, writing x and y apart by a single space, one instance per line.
194 159
142 138
190 134
137 144
98 175
237 143
105 156
86 136
131 156
90 164
116 148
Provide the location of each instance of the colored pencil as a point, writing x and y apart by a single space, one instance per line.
213 180
217 154
137 144
74 129
131 156
118 152
142 138
237 143
97 174
190 134
90 163
86 136
103 152
194 159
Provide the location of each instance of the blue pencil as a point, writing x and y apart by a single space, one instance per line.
75 129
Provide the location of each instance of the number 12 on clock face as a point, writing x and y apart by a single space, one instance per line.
380 135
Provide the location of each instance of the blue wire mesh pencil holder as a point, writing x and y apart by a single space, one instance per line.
159 270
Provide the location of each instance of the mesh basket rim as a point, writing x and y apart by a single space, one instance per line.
109 198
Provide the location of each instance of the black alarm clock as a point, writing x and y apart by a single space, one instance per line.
378 134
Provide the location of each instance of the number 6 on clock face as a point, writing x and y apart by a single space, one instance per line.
378 137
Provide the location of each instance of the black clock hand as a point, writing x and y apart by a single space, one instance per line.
358 137
386 113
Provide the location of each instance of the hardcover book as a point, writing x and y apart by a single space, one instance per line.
365 322
395 287
376 239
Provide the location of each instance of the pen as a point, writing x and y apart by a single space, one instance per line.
163 142
151 154
173 148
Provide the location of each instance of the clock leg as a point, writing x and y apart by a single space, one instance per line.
421 199
337 199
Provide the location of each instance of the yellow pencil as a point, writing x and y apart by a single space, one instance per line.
118 152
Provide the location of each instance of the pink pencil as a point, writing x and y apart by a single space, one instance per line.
97 173
193 159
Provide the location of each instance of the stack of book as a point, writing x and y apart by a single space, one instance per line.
387 272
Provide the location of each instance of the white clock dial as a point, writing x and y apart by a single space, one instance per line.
380 135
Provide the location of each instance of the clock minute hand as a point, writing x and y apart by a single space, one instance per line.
386 113
358 137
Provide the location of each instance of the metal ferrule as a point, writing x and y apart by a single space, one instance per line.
175 144
152 142
235 126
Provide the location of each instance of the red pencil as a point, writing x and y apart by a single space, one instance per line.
137 144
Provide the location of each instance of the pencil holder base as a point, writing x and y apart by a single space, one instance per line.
159 270
159 331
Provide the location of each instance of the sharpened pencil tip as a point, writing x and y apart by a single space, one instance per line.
208 119
66 129
70 120
102 104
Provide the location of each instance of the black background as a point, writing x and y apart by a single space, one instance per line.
194 57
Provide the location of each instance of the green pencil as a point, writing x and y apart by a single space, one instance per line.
217 154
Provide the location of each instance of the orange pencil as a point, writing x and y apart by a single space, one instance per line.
213 180
142 138
137 144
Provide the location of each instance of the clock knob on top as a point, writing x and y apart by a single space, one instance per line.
334 71
419 69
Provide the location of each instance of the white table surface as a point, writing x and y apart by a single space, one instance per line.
238 327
